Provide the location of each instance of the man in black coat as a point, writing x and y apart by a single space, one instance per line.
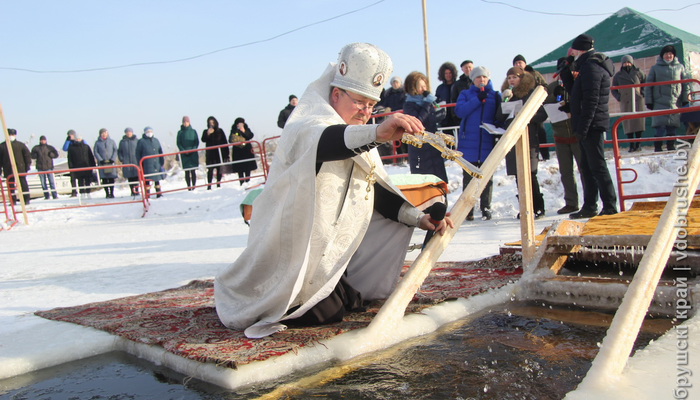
23 160
588 81
287 111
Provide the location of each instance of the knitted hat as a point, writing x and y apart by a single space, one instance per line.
582 42
291 96
668 49
12 132
71 132
479 71
519 58
515 71
185 119
363 69
42 137
396 78
628 58
238 120
146 129
128 130
103 130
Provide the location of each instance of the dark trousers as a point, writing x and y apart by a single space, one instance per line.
191 178
242 176
210 175
84 182
670 131
134 185
485 199
595 175
23 185
108 184
344 298
73 184
567 153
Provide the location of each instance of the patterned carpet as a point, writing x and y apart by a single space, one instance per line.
184 322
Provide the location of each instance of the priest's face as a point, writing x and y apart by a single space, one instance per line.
352 108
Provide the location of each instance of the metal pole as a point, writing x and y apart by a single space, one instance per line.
425 42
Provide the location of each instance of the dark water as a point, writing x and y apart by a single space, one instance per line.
515 351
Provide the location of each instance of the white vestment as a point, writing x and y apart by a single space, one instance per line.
293 259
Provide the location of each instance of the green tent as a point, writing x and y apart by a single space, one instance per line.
628 32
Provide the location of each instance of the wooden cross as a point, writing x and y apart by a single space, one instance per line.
442 142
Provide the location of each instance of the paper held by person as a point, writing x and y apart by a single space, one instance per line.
493 129
511 108
554 113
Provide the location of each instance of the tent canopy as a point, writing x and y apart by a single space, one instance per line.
628 32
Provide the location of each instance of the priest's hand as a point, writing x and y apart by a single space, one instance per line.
440 228
396 125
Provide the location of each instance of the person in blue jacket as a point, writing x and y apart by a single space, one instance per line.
477 105
148 146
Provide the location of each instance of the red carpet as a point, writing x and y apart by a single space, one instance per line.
184 322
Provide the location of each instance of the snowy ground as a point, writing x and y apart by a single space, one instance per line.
72 257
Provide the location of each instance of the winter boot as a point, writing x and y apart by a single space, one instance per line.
158 193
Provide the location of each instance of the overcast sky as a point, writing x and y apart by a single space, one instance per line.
272 49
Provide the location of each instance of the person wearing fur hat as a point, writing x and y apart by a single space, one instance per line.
287 111
44 154
587 79
330 230
23 161
629 74
420 103
665 97
187 139
519 61
518 86
242 154
475 106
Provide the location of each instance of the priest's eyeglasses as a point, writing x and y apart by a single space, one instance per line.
361 106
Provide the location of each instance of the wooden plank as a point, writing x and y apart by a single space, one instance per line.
612 240
527 215
554 257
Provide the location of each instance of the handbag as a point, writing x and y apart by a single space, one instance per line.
107 170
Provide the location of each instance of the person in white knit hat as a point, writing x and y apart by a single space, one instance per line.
330 230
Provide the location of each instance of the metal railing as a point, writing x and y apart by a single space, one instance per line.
643 114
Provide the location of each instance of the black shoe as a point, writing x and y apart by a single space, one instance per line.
470 216
539 214
584 213
485 214
608 211
567 210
